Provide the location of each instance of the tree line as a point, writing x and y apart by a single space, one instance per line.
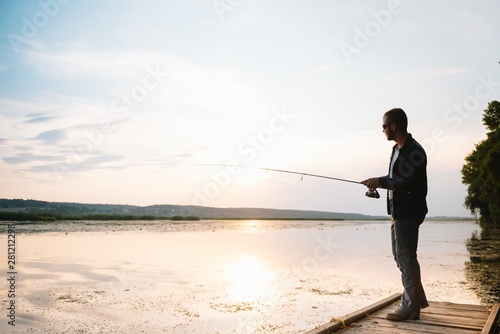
28 216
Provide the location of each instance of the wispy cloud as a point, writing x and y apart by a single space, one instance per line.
51 136
327 68
24 158
415 75
189 85
101 161
75 61
11 108
39 119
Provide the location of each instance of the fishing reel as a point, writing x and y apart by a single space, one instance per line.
372 193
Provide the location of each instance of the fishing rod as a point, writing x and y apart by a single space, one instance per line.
372 193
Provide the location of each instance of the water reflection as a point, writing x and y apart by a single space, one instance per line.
249 280
252 226
483 269
283 277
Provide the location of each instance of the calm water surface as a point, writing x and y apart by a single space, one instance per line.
219 276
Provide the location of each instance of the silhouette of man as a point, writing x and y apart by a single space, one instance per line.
406 203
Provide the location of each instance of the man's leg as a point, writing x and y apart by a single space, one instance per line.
404 236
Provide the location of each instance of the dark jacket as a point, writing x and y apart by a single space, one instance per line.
409 180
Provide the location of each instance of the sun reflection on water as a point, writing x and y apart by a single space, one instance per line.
252 226
249 280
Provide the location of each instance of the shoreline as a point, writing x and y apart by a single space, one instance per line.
195 218
69 226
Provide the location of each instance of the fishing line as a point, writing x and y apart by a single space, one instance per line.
373 193
285 171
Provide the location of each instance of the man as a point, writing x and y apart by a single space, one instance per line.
406 203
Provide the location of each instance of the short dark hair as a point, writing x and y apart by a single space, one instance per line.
397 116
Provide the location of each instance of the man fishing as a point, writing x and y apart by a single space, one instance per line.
406 203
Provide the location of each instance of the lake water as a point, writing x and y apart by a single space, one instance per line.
241 277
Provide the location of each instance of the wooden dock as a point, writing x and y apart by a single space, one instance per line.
438 318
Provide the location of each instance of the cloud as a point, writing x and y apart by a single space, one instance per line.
327 68
104 159
159 165
51 137
415 75
23 158
188 84
79 62
35 114
39 119
11 108
62 169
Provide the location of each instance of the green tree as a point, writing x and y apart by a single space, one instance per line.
481 172
491 117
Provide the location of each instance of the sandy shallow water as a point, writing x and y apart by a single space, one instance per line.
217 276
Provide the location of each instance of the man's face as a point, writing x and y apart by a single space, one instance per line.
388 128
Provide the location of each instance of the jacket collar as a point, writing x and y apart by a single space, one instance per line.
408 139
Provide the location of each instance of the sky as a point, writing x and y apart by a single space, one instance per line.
123 102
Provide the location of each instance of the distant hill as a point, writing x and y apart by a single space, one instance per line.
21 206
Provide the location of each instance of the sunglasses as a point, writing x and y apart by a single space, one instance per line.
385 125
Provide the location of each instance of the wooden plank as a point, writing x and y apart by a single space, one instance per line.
371 330
481 313
375 330
438 318
449 305
448 321
418 326
408 327
355 316
456 321
491 322
457 307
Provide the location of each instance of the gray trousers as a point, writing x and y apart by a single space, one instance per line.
404 236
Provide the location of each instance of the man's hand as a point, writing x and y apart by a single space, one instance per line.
372 183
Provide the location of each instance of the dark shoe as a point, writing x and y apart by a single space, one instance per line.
401 316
